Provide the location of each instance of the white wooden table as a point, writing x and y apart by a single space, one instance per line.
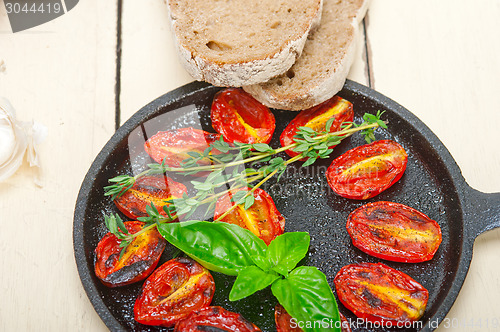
439 59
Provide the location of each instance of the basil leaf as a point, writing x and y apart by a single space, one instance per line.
262 262
308 298
218 246
287 250
249 281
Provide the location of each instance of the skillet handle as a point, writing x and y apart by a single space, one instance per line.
484 211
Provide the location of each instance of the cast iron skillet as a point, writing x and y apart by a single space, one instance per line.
432 184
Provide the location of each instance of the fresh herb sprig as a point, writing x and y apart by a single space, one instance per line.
225 172
122 183
116 226
224 169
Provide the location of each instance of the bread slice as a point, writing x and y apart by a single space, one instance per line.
241 42
323 67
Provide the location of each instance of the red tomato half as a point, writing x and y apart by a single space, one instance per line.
239 117
147 190
376 292
262 218
316 117
173 291
367 170
136 263
395 232
284 321
215 319
173 145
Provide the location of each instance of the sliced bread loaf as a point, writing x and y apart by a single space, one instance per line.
323 67
241 42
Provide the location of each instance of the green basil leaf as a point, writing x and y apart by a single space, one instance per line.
249 281
262 262
308 298
287 250
218 246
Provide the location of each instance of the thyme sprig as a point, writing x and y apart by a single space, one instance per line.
122 183
225 172
116 226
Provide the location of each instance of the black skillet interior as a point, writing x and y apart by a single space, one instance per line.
432 184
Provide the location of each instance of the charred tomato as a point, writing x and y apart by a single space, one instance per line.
316 118
149 190
239 117
394 232
262 218
173 291
367 170
136 263
377 292
215 319
172 146
284 321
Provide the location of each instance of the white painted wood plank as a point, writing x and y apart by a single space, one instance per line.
359 69
150 65
61 74
439 59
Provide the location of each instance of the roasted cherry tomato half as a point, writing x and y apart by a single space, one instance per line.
377 292
215 319
262 218
149 190
394 231
367 170
172 146
239 117
345 326
173 291
137 262
316 118
285 322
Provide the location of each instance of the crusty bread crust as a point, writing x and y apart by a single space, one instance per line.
208 60
320 72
